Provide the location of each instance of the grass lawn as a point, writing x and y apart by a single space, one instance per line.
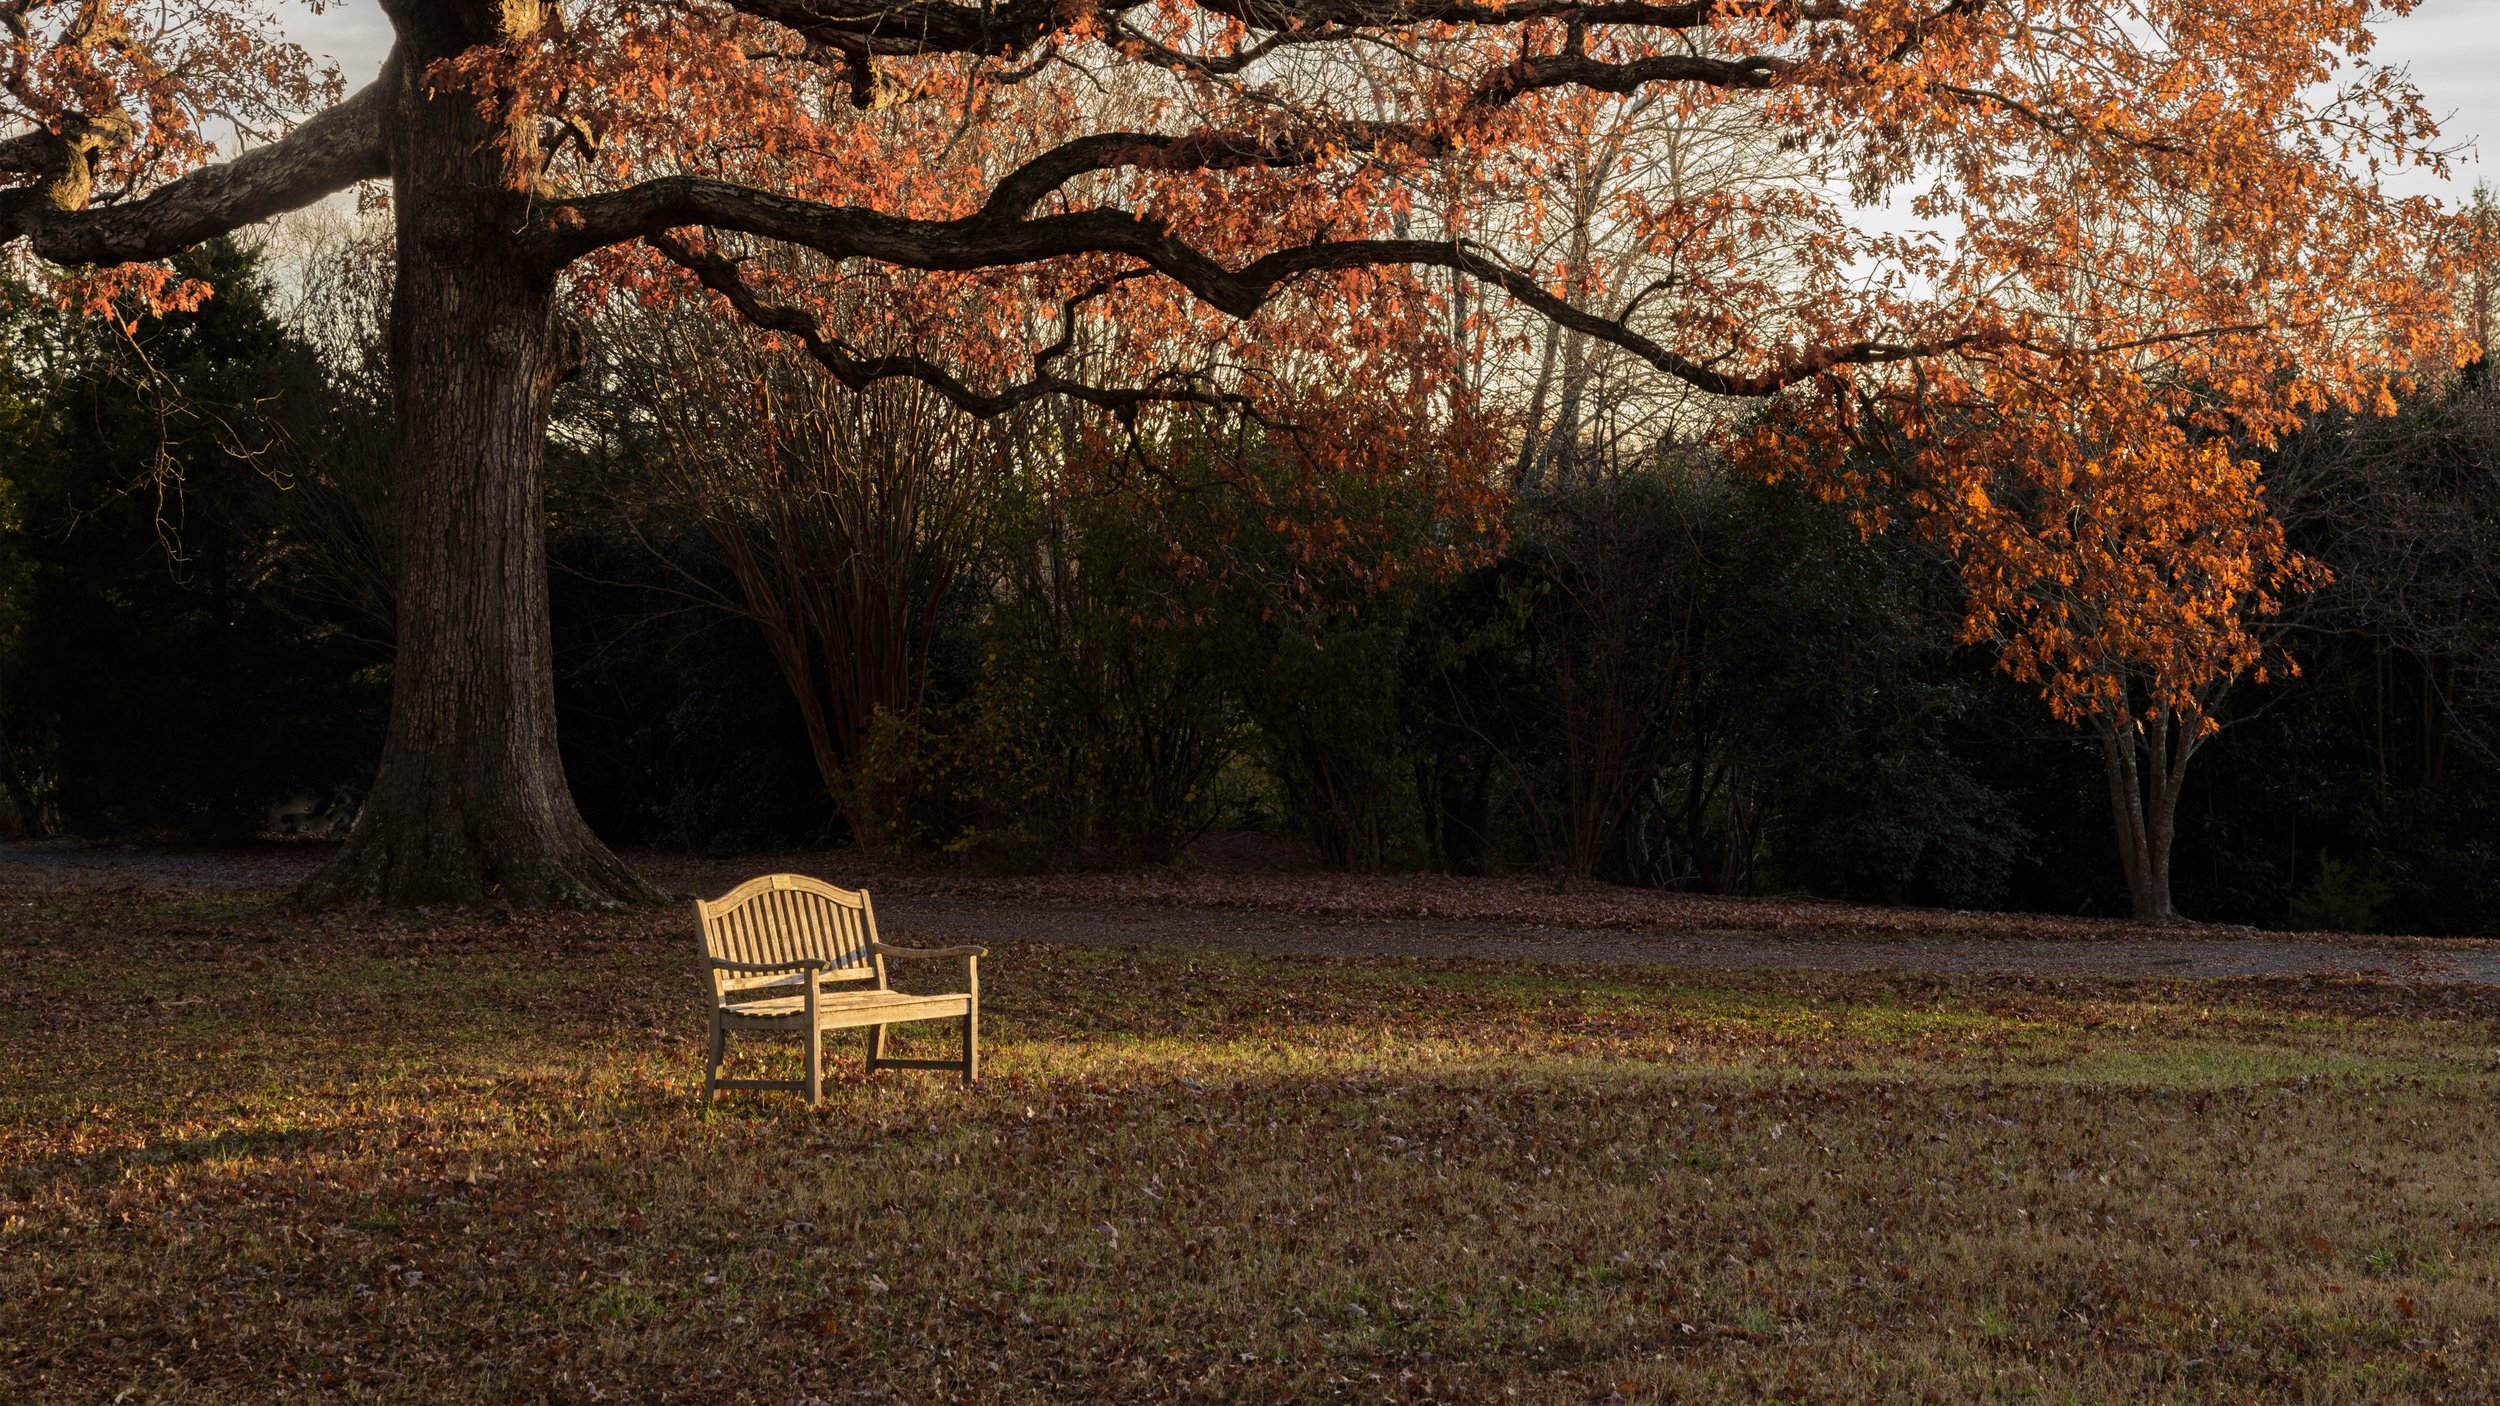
247 1156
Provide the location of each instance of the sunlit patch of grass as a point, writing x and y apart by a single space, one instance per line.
250 1156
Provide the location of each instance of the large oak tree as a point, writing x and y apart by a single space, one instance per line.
1183 165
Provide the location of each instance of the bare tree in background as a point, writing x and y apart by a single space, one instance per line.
2405 511
1589 204
331 276
843 517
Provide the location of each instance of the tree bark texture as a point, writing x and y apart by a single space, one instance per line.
470 803
2147 760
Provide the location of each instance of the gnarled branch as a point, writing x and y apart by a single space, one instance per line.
329 152
1007 26
859 370
994 240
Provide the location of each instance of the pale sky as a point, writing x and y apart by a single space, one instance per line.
2452 46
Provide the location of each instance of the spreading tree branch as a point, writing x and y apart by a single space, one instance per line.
331 151
1000 236
944 27
859 370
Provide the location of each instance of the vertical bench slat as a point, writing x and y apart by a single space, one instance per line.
841 923
803 930
846 933
814 921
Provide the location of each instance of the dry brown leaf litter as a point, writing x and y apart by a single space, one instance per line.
251 1156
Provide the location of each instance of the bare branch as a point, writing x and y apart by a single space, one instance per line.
859 371
1580 71
999 237
944 27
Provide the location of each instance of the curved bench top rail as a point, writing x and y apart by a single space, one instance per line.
789 918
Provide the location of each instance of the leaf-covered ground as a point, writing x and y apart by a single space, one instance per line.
249 1156
1512 918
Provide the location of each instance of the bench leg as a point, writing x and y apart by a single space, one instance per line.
720 1051
815 1066
972 1045
876 1046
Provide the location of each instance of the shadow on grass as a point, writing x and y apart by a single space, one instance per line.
234 1145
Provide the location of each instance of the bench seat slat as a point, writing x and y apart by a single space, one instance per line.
836 1011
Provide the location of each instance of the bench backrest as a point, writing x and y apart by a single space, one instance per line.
787 918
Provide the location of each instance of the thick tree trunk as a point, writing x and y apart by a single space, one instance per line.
470 803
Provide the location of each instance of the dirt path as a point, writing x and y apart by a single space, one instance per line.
957 920
1802 937
264 867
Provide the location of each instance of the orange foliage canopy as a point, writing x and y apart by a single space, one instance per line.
2141 235
109 99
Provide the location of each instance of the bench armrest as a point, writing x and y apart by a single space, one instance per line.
803 964
893 951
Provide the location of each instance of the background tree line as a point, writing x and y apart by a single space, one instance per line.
790 614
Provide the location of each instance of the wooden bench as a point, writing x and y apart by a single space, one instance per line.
787 954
